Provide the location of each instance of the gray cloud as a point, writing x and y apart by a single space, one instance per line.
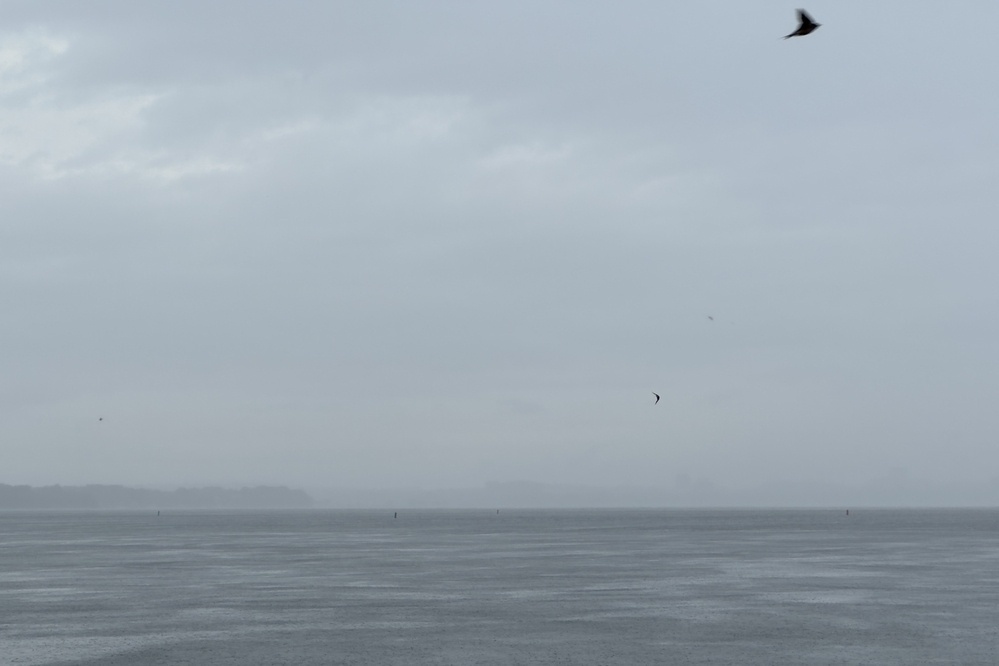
441 245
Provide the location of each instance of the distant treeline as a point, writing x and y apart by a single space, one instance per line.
120 497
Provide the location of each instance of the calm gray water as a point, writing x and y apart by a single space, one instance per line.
521 587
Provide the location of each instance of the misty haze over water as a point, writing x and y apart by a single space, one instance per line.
896 491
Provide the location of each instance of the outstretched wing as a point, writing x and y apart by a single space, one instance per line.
804 18
657 398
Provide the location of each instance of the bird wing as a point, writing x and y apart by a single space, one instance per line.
805 18
657 398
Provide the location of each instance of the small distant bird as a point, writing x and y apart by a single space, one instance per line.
805 25
657 398
100 418
711 318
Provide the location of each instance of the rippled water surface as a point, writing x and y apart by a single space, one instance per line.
518 587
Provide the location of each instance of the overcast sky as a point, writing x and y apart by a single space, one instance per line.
440 244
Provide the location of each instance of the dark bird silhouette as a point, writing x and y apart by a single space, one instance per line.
805 25
657 398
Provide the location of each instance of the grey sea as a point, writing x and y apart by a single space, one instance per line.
514 587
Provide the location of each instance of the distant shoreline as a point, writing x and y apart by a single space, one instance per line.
98 497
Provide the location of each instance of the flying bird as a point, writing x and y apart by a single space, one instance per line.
657 398
711 318
805 25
